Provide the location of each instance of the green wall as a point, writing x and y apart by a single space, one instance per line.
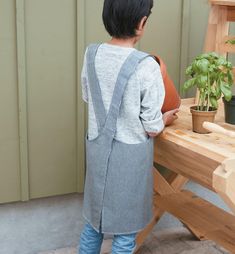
9 132
42 115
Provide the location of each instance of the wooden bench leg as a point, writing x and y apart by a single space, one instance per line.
163 187
224 182
174 182
144 233
213 222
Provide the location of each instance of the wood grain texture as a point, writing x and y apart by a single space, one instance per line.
207 159
224 181
213 222
211 29
218 129
162 187
223 2
175 181
193 155
231 14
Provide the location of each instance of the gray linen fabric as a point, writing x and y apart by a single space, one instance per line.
119 186
142 100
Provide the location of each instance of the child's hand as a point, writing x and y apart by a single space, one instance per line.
170 116
152 134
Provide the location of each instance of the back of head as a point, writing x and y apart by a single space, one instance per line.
121 17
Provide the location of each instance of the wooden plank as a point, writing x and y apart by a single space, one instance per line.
231 14
227 47
211 30
213 222
217 144
223 2
223 181
140 238
188 101
177 182
22 98
177 156
224 238
162 187
193 155
222 29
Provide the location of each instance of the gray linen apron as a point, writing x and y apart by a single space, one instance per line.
118 187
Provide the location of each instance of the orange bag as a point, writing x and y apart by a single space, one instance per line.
172 98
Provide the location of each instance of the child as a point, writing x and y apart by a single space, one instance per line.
124 91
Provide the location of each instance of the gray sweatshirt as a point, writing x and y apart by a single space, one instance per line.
143 98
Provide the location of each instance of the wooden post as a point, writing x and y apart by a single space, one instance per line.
162 186
224 181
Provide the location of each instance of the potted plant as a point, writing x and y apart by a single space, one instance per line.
212 75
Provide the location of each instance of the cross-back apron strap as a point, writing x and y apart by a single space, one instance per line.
94 86
126 71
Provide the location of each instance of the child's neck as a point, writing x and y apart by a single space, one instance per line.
128 43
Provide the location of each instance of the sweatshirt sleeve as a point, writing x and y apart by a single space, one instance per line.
152 95
84 80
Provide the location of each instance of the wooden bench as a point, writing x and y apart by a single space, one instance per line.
213 222
207 159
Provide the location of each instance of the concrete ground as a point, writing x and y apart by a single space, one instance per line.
170 241
56 222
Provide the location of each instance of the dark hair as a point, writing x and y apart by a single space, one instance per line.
121 17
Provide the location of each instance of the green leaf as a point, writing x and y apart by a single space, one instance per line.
212 68
212 75
221 61
230 77
213 55
189 71
214 102
203 65
204 56
195 68
229 65
230 41
226 90
188 84
201 81
218 92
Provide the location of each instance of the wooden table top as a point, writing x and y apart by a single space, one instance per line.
217 145
223 2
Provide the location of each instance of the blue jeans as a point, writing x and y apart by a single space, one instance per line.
91 241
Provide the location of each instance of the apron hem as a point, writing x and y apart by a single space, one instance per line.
88 221
112 233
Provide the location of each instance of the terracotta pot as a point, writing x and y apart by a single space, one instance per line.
199 117
172 98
